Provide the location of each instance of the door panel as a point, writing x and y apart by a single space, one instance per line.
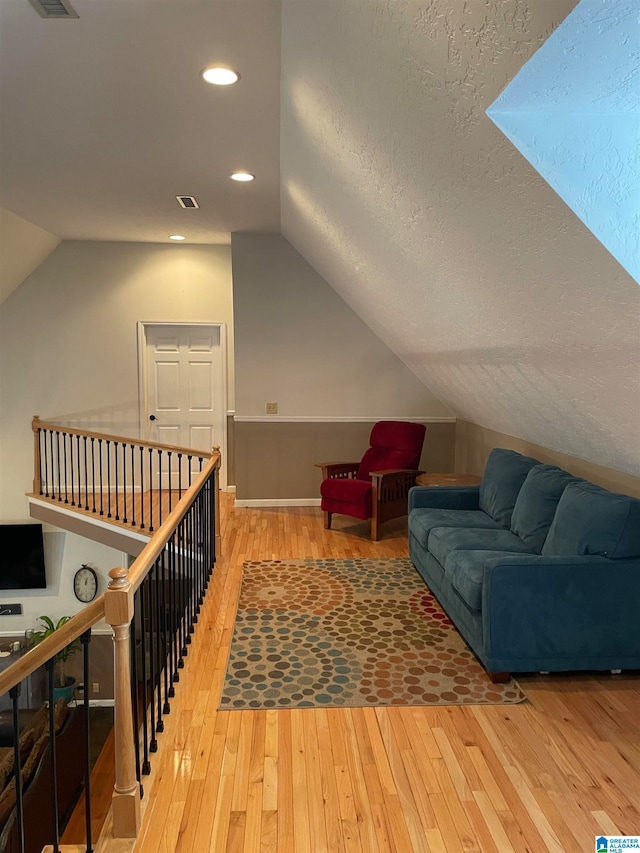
185 389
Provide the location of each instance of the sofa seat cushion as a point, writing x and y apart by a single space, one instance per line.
465 572
422 521
590 520
504 474
537 503
445 540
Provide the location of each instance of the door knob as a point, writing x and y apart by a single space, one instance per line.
152 418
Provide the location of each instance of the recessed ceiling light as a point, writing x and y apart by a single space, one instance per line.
242 176
176 237
220 75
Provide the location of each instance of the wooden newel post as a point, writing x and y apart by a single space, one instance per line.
118 612
37 481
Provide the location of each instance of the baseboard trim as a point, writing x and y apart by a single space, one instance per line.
231 489
257 504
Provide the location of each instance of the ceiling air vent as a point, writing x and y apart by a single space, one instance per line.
54 8
188 202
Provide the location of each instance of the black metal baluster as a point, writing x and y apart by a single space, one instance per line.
153 743
163 612
133 485
53 473
14 693
160 489
141 488
85 640
150 489
64 453
173 646
78 471
60 470
43 461
133 655
101 481
52 757
169 476
158 637
86 474
115 451
93 473
189 458
182 592
108 478
124 482
189 557
179 475
146 765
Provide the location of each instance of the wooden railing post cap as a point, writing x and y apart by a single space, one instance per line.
118 578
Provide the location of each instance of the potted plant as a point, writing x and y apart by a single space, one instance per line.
63 683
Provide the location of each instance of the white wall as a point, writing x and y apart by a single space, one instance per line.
68 339
405 197
300 345
64 554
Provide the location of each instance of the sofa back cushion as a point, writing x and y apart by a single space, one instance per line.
537 503
591 520
503 477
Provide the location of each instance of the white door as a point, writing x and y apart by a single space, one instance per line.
185 399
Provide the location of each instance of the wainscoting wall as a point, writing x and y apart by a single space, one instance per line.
474 443
275 457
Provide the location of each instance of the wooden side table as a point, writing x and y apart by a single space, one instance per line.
447 480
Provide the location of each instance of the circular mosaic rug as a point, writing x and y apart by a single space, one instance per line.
348 633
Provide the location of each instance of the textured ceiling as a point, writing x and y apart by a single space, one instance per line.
402 193
104 119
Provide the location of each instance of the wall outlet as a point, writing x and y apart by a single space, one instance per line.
271 408
10 609
96 687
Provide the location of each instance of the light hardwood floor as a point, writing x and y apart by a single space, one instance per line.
548 774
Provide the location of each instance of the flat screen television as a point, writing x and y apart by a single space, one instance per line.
22 557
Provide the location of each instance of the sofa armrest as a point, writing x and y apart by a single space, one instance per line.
561 609
444 497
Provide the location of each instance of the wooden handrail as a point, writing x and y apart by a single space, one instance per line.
51 645
37 424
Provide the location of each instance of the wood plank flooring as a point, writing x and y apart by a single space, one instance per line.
548 774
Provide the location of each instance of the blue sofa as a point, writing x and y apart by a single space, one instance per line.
539 570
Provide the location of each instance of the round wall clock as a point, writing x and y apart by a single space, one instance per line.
85 584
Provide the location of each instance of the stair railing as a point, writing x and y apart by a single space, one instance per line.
152 608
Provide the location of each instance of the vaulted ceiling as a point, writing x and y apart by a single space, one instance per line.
364 122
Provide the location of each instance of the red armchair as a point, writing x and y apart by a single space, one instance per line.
376 487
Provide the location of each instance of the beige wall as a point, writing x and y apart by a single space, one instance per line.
68 346
23 247
275 461
300 345
473 444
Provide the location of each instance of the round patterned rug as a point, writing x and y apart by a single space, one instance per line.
348 633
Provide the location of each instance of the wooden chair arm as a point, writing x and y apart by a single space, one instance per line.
338 469
393 483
